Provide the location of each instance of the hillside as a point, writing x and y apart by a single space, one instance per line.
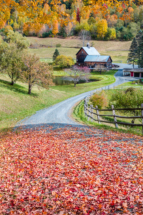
45 47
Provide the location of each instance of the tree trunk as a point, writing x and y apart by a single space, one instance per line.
74 84
12 82
29 89
133 64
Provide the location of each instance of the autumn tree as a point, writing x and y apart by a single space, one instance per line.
78 73
55 27
102 28
63 61
78 15
36 72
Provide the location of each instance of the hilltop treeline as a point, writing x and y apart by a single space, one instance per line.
104 20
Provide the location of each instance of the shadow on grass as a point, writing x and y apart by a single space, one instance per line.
16 88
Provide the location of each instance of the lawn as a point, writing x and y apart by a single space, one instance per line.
118 50
16 104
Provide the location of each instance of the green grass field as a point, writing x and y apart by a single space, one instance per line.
16 104
118 50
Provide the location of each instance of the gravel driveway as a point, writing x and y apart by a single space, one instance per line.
60 113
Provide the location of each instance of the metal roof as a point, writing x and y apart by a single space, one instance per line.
91 51
133 70
96 58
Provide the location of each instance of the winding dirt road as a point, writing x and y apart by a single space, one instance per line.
60 113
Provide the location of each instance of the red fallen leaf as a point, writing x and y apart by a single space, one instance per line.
58 178
12 203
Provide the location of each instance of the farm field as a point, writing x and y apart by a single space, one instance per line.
16 104
118 50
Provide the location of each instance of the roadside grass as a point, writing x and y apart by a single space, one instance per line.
134 84
78 115
16 104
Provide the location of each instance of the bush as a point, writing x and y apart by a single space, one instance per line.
130 90
99 100
64 61
58 45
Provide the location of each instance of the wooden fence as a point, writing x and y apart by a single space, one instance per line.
91 112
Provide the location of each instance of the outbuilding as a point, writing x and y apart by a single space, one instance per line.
137 73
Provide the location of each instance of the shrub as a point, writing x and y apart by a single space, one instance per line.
130 90
99 100
64 61
58 45
46 34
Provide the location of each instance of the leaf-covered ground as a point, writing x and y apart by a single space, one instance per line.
71 170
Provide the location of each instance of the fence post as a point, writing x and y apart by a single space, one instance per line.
88 113
116 125
85 107
142 117
97 112
91 109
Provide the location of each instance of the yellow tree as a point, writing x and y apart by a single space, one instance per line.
55 27
113 33
102 28
5 9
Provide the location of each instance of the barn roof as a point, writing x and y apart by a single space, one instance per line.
90 51
96 58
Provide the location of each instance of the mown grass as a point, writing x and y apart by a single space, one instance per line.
78 114
16 104
118 50
47 54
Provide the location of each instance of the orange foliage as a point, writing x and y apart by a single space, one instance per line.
130 10
55 27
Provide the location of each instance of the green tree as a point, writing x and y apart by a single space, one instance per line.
133 55
127 99
11 61
56 54
15 37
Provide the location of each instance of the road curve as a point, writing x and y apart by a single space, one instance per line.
60 113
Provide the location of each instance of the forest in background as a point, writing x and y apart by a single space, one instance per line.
104 20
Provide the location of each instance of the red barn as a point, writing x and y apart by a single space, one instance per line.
89 56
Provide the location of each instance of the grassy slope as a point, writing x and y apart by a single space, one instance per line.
79 113
16 104
118 50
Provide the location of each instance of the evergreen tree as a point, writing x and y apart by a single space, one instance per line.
140 52
133 54
55 55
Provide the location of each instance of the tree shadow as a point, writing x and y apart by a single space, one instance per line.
16 88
